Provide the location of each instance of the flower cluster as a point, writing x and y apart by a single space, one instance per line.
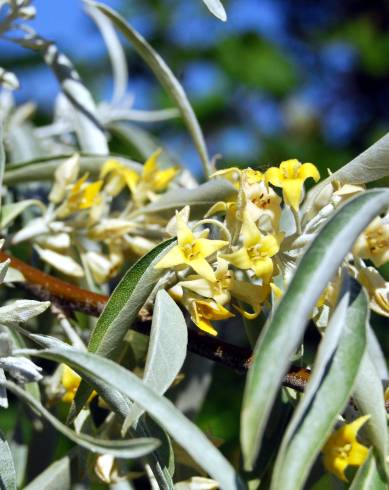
85 232
257 239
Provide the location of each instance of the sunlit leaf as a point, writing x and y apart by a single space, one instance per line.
283 332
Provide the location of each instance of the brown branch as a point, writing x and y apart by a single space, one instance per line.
72 298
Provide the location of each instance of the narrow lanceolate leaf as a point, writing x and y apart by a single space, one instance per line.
165 77
326 395
121 311
369 398
129 448
199 199
369 476
167 349
370 165
97 370
56 477
216 8
44 168
126 301
283 332
7 469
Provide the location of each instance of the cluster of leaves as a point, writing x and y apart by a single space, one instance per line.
291 262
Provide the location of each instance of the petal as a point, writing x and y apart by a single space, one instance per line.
110 166
292 192
91 194
239 259
201 266
358 454
350 430
150 165
205 325
174 257
184 234
308 170
164 177
208 247
335 465
290 168
249 293
275 176
200 286
218 207
263 268
269 245
250 232
131 178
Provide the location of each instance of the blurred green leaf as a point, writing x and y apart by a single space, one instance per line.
165 77
44 168
200 199
56 477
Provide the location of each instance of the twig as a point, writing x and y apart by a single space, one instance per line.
72 298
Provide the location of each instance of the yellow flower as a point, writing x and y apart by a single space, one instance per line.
236 176
119 176
342 448
373 244
256 252
264 204
226 286
290 176
155 179
203 312
71 381
191 251
81 196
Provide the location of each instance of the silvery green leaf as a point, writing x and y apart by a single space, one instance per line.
3 391
216 8
369 476
369 166
44 168
376 354
97 370
9 212
199 199
13 275
116 54
283 332
7 469
165 77
121 311
130 448
22 310
369 398
89 131
21 368
167 349
56 477
326 394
